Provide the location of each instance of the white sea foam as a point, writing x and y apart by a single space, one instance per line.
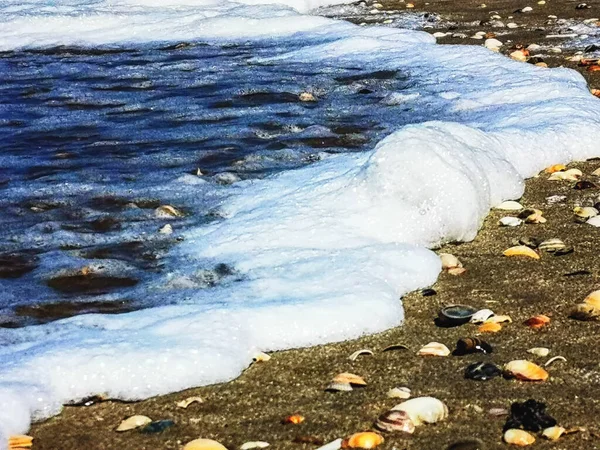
318 254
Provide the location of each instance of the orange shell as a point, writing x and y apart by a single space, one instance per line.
204 444
593 299
521 250
489 327
555 168
20 441
366 440
596 92
526 370
520 438
349 378
537 322
594 68
294 418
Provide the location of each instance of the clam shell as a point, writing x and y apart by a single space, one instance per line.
333 445
366 440
254 444
399 392
261 357
449 261
510 221
456 314
520 438
481 316
423 410
133 422
188 401
594 221
19 441
539 351
349 378
537 322
552 245
525 370
391 347
521 250
555 168
553 433
341 387
593 299
357 353
509 205
434 349
499 319
585 312
567 175
489 327
167 212
456 271
395 421
585 212
204 444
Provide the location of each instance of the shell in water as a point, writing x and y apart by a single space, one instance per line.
489 327
366 440
510 221
395 421
585 312
520 438
167 212
593 299
19 441
521 250
133 422
434 349
509 205
481 316
539 351
525 370
399 392
553 433
204 444
423 410
449 261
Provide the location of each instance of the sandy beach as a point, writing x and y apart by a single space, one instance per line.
252 407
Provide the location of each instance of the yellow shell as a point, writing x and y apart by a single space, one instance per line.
133 422
521 250
166 211
434 349
489 327
526 370
365 440
349 378
203 444
553 433
499 319
520 438
20 441
593 299
555 168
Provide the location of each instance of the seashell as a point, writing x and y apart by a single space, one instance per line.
551 245
349 378
167 212
555 199
293 419
395 421
357 353
481 371
204 444
525 370
456 271
307 97
455 315
19 441
428 292
133 422
593 299
366 440
333 445
567 175
498 412
465 346
340 387
188 401
254 444
519 55
521 250
585 212
509 205
555 168
449 261
585 312
423 410
434 349
261 357
489 327
594 221
535 218
510 221
157 426
537 322
401 392
520 438
499 319
596 172
389 348
556 358
481 316
539 351
167 229
553 433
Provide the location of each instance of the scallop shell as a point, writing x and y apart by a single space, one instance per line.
489 327
481 316
401 392
19 441
585 312
357 353
555 168
538 321
585 212
204 444
167 212
509 205
521 250
434 349
520 438
133 422
395 421
525 370
188 401
510 221
552 245
553 433
365 440
254 444
593 299
449 261
539 351
423 410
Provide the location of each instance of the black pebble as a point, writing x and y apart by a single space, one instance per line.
581 185
428 292
481 371
530 415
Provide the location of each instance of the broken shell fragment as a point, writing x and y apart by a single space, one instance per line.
399 392
349 378
594 221
584 312
294 419
307 97
539 351
520 438
553 433
188 401
532 216
333 445
391 347
449 261
537 322
434 349
455 315
510 221
365 440
489 327
509 205
521 250
556 358
395 421
254 444
19 441
481 316
204 444
525 370
567 175
167 229
465 346
423 410
133 422
456 271
357 353
481 371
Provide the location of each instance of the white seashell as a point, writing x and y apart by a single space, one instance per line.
434 349
449 261
423 410
133 422
401 392
482 315
556 358
167 212
510 221
539 351
307 97
254 444
553 433
596 172
534 47
594 221
509 205
493 44
339 386
586 212
333 445
357 353
261 357
188 401
167 229
555 199
527 9
204 444
567 175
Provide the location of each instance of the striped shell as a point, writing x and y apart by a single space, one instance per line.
395 421
552 245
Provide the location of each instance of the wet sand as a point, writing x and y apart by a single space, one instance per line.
252 407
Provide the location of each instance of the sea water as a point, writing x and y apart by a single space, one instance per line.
302 222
